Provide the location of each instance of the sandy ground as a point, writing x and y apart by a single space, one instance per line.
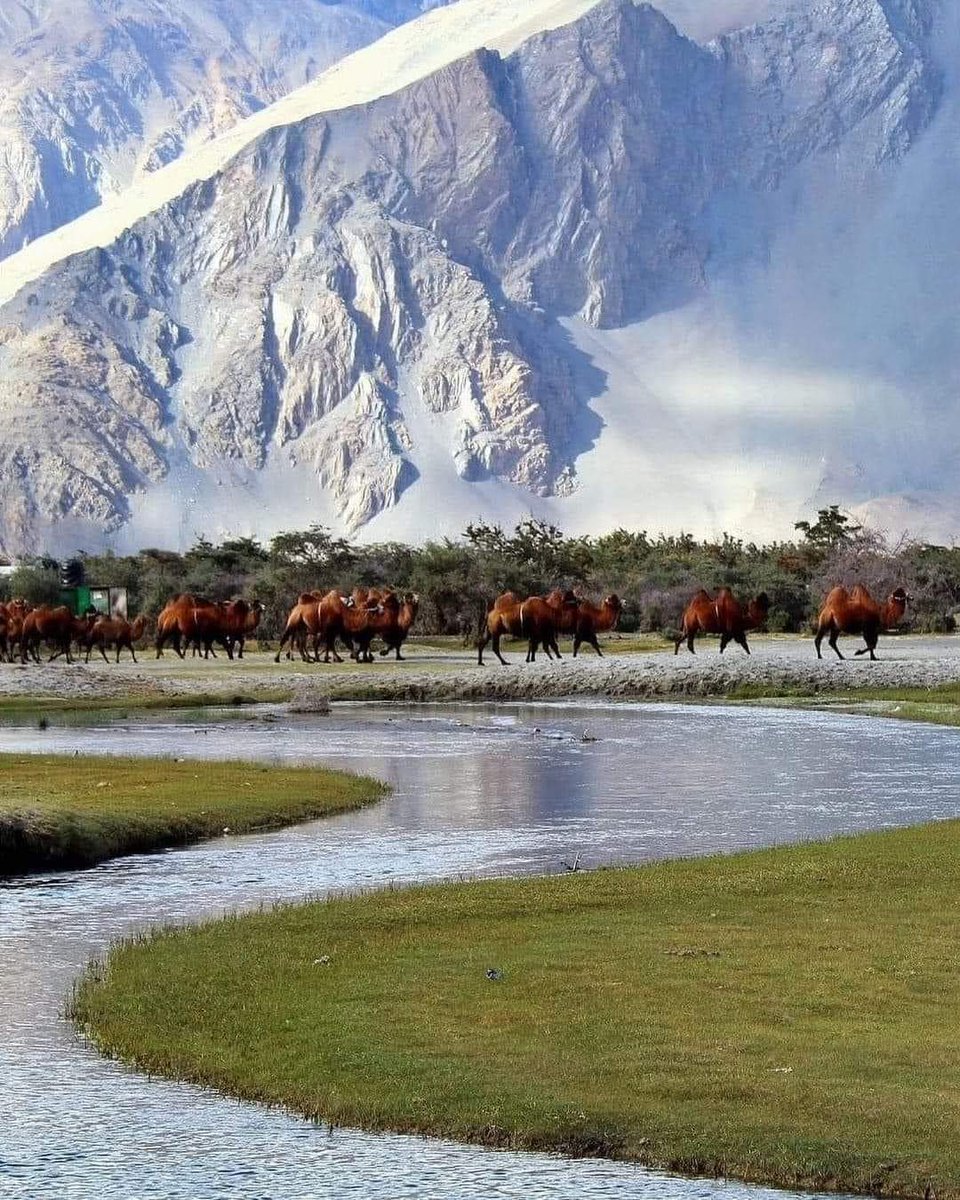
434 674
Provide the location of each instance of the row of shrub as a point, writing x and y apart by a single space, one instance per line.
455 579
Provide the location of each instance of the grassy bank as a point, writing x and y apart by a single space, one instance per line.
29 705
790 1016
60 812
937 705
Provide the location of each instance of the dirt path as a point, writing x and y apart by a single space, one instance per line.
435 674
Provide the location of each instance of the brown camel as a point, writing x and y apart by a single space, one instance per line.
47 624
397 633
240 619
12 614
857 612
190 620
169 619
593 619
325 618
723 614
533 619
566 607
115 631
380 617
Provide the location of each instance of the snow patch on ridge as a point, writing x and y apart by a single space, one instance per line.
403 56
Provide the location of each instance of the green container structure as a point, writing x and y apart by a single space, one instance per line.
106 600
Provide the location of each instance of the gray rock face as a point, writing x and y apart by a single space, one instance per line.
95 93
355 280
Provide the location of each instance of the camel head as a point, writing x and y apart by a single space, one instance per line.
758 608
895 607
347 601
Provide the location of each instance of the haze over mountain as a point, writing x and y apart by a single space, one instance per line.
566 259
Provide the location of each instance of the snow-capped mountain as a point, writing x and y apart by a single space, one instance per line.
94 93
563 258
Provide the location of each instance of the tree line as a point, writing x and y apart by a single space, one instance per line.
456 578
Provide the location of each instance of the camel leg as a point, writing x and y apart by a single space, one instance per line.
591 640
868 649
834 634
690 637
742 641
133 653
104 653
496 649
481 642
724 641
286 636
817 640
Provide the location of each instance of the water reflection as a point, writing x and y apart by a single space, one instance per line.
478 790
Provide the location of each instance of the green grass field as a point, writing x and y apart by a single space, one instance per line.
72 812
789 1016
938 705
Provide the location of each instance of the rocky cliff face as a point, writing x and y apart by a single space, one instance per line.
361 283
95 93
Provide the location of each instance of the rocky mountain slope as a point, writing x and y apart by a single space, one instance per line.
94 93
572 277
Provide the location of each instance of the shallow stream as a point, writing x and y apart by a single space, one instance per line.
477 790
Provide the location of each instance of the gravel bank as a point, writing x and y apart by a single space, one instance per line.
432 675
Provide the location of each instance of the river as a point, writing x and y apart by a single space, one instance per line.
477 790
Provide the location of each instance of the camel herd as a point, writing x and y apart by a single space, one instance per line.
24 629
722 614
188 621
319 620
540 620
854 611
